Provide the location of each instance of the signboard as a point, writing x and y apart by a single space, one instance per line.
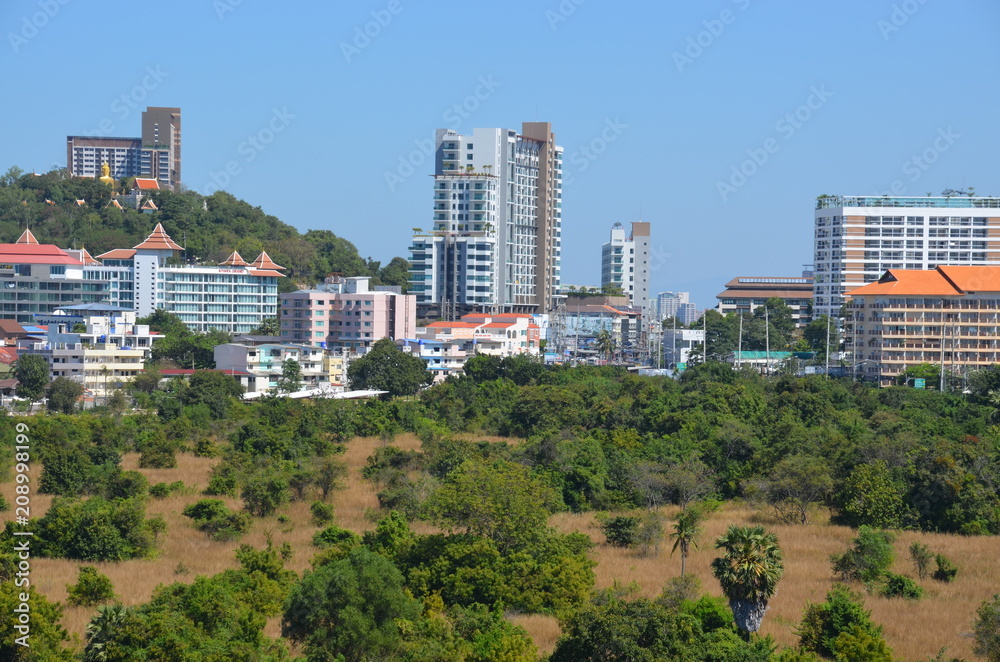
681 367
919 382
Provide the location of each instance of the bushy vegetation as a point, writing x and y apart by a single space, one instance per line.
91 588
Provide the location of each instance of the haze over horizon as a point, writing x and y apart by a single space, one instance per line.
717 122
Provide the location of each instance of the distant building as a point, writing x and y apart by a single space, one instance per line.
745 293
625 263
259 367
343 313
668 304
156 154
678 344
858 238
497 224
949 316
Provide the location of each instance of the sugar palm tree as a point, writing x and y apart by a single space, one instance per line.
748 573
101 629
686 531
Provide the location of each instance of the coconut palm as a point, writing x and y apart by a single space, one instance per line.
605 343
748 573
686 531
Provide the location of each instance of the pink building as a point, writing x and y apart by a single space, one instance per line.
345 313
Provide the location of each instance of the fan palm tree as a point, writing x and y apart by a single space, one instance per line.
605 343
748 573
101 629
686 531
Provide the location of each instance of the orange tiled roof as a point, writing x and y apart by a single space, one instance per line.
159 240
118 254
452 325
149 205
147 184
264 261
908 282
87 258
266 272
26 238
973 279
115 203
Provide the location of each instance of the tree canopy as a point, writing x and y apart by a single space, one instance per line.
387 368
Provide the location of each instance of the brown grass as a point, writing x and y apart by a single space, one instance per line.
915 630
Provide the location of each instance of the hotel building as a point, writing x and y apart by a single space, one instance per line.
744 294
858 238
625 263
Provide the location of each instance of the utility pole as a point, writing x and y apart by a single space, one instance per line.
767 341
739 352
828 346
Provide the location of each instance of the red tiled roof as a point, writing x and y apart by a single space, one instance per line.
264 261
35 254
26 238
158 240
147 184
8 355
118 254
266 272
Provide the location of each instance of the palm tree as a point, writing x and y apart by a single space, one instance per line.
605 343
101 629
748 573
686 531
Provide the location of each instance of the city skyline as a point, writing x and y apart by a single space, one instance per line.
718 124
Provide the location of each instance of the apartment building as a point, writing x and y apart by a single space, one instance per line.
947 316
97 345
625 264
494 242
344 313
156 154
858 238
260 366
505 334
744 294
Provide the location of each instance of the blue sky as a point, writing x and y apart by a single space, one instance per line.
659 106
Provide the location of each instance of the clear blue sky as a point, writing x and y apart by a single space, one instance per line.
887 81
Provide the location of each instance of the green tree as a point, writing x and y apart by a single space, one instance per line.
815 335
843 612
291 376
921 555
387 368
91 588
63 394
871 496
748 572
686 532
870 557
354 607
796 484
502 501
47 636
214 389
146 381
987 629
32 373
605 344
269 326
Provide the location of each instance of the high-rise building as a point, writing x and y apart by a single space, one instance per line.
857 239
668 304
625 263
156 154
497 224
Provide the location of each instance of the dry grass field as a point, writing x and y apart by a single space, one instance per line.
915 630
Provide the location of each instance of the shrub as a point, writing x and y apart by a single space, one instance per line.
900 586
678 590
621 531
159 491
334 535
214 518
221 484
987 629
95 530
157 456
822 624
4 506
946 570
921 556
264 494
322 513
91 588
869 559
712 612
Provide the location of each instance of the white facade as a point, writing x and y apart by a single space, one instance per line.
668 304
678 343
264 364
497 222
625 263
857 239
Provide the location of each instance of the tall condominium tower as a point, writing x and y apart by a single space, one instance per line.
156 155
494 244
857 239
625 263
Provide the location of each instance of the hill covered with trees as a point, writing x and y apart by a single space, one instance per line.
209 227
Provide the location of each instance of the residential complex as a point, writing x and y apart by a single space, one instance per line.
625 263
233 296
156 154
343 313
858 238
259 366
497 224
667 305
947 316
744 294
